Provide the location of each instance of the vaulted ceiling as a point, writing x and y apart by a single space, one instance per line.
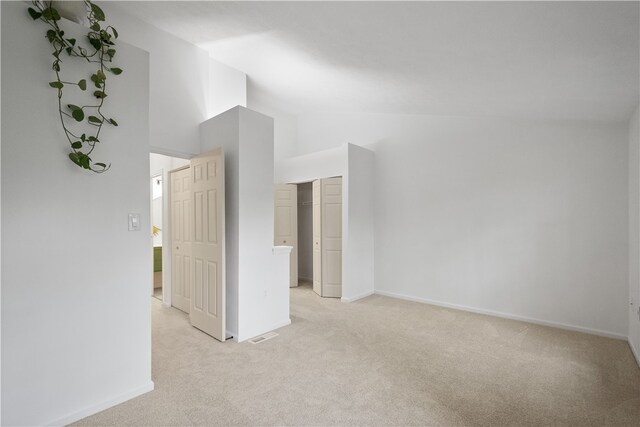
565 60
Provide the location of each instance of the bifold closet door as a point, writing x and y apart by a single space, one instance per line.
331 237
207 308
327 237
317 237
286 225
180 194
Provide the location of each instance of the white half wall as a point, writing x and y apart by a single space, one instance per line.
634 234
521 218
257 278
76 315
355 165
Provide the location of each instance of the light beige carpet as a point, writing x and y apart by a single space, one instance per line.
382 361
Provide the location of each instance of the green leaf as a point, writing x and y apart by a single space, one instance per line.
116 71
75 158
83 137
57 85
51 35
94 119
111 52
34 14
51 14
97 44
78 115
96 80
99 94
76 145
69 50
72 41
115 33
113 122
93 139
82 84
101 75
85 161
95 26
97 12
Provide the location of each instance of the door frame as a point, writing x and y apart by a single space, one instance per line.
345 212
166 219
152 177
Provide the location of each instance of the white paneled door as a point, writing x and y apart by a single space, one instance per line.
207 307
327 237
286 225
331 237
317 237
180 190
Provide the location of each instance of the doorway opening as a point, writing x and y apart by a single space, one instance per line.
160 166
156 231
308 217
305 235
188 237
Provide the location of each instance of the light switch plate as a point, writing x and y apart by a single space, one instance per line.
134 222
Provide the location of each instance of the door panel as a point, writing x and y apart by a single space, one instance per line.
180 239
317 237
331 212
207 309
286 225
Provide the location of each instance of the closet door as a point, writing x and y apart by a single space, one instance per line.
317 237
331 231
180 194
286 225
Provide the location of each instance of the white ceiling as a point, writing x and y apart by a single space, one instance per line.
567 60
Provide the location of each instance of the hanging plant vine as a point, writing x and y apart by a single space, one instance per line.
101 53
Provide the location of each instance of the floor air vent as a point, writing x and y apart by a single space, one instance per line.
261 338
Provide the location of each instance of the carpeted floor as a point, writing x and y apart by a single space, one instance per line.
382 361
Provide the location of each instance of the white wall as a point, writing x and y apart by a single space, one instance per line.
634 234
76 320
358 224
308 167
257 280
227 88
182 94
526 219
285 128
355 165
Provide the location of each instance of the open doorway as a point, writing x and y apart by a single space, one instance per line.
188 237
156 231
305 235
160 166
308 217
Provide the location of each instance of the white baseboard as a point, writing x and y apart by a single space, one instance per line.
273 327
635 352
101 406
357 297
598 332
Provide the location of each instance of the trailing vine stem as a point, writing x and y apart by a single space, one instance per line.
103 51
